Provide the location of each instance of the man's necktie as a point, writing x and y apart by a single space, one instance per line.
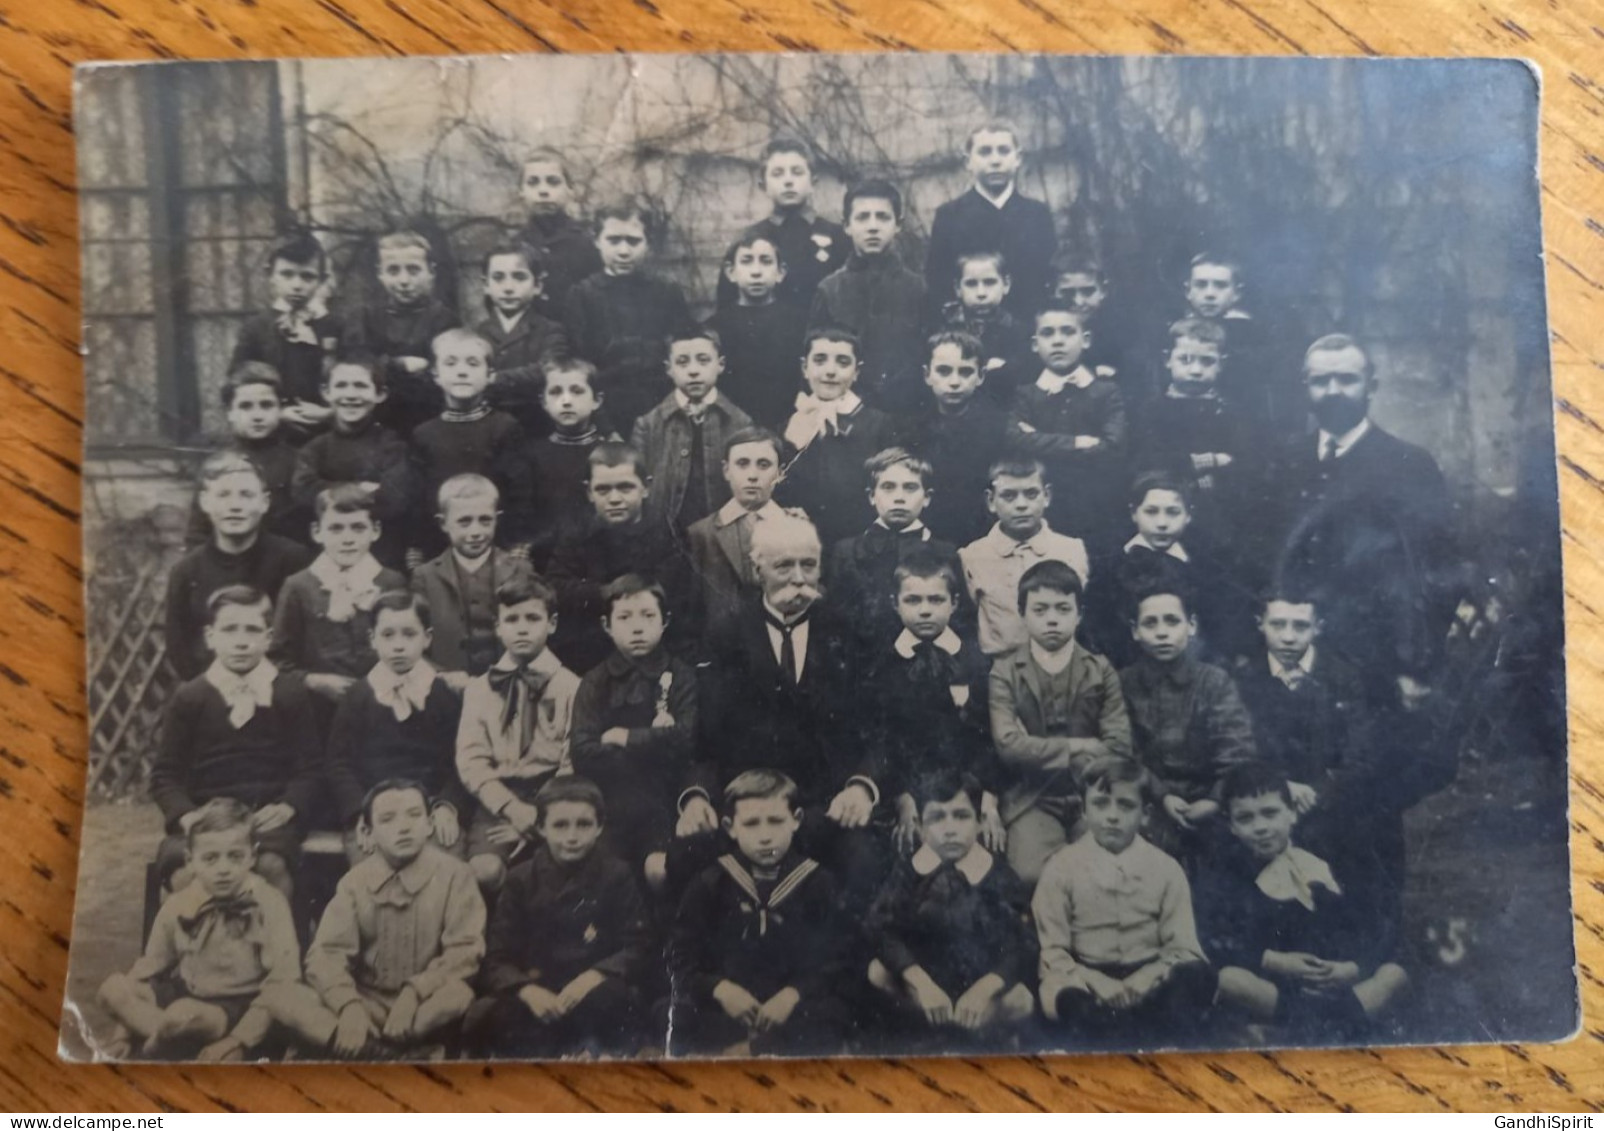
787 645
1329 451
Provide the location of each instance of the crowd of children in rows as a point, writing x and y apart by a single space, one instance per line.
736 759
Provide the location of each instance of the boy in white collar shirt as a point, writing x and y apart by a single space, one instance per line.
1055 708
516 720
994 216
1121 965
1073 420
325 613
831 435
1018 494
399 721
682 438
859 569
460 585
243 729
955 946
1299 945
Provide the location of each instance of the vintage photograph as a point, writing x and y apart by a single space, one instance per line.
807 555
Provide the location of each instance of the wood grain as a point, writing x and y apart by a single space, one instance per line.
42 740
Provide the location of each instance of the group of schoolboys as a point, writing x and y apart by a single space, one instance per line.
510 675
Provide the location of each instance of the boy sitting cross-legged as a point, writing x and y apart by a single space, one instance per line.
214 945
635 723
243 730
567 942
1298 945
1055 707
399 721
515 725
955 945
1121 965
460 585
756 954
325 612
389 971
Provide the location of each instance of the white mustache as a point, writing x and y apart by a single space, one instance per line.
808 592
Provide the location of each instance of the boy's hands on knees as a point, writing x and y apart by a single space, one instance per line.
327 684
993 833
852 807
447 829
1292 964
354 1031
274 816
541 1002
1145 981
403 1016
931 998
737 1004
906 834
522 816
777 1010
1334 976
1107 991
973 1007
224 1048
578 989
697 817
615 736
1304 797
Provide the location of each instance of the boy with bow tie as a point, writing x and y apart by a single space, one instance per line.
399 721
514 733
325 614
245 730
215 943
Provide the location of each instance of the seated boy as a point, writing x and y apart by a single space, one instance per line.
757 951
926 688
1161 555
1193 432
618 318
389 972
522 339
954 945
682 438
994 215
635 723
325 613
296 336
720 545
831 435
1074 422
514 731
810 247
762 334
469 437
982 286
214 945
568 941
399 721
235 501
358 449
550 495
1055 707
1311 723
621 537
400 326
858 574
1298 946
1121 965
253 403
460 585
243 730
960 434
564 243
1188 724
875 297
1018 495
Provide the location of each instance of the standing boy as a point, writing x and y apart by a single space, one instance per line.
550 495
994 216
296 335
761 334
983 283
810 247
522 338
253 403
563 242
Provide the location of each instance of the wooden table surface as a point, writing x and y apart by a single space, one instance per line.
42 726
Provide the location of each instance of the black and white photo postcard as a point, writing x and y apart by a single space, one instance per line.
669 556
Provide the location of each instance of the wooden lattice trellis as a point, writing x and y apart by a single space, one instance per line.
129 677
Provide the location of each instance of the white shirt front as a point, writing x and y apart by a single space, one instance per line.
799 638
1344 442
1176 550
